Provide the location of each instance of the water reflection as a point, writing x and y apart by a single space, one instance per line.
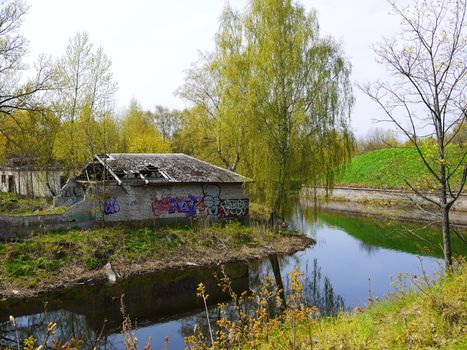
350 252
318 291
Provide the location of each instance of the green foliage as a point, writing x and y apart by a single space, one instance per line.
28 135
91 136
140 134
276 99
18 205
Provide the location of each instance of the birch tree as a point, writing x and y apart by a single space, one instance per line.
85 97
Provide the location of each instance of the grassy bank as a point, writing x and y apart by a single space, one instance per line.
421 314
51 261
387 168
17 205
431 317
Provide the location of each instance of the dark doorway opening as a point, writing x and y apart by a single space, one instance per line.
11 184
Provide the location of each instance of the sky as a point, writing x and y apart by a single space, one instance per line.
151 43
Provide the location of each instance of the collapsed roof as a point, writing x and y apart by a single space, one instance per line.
155 168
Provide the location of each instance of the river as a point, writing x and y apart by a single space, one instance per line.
354 259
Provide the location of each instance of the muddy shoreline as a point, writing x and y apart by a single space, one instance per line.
281 245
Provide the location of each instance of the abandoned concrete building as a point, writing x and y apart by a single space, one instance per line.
26 178
146 187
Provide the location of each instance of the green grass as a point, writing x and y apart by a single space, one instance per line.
17 205
388 168
397 236
61 255
428 317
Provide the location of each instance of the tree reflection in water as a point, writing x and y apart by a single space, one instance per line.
320 293
317 288
317 291
70 325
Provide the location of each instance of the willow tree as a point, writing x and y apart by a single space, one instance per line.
299 98
140 134
216 86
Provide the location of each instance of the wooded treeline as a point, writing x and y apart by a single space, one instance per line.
272 102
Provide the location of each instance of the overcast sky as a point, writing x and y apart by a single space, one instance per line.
152 42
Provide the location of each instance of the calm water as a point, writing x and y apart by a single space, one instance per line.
352 257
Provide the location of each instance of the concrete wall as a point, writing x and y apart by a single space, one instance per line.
176 201
158 204
383 197
377 202
30 182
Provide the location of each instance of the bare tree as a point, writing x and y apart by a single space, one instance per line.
377 138
167 122
17 93
427 97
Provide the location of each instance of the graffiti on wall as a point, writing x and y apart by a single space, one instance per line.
234 207
211 199
207 203
176 204
111 206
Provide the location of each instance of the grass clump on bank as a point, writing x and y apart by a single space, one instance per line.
427 315
78 254
18 205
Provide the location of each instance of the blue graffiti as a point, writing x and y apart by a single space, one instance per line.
111 206
169 204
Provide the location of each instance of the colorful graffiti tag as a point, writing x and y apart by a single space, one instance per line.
234 207
211 199
170 204
111 206
207 203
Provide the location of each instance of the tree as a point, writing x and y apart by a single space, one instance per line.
298 97
139 133
377 138
85 97
31 136
427 97
167 122
277 99
210 86
15 94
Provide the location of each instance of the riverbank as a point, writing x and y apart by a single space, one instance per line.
419 314
393 204
432 316
58 260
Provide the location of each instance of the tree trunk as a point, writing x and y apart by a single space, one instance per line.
278 277
445 214
446 238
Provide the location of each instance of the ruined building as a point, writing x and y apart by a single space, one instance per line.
27 177
122 187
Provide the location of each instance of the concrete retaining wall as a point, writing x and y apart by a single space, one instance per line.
363 195
377 202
